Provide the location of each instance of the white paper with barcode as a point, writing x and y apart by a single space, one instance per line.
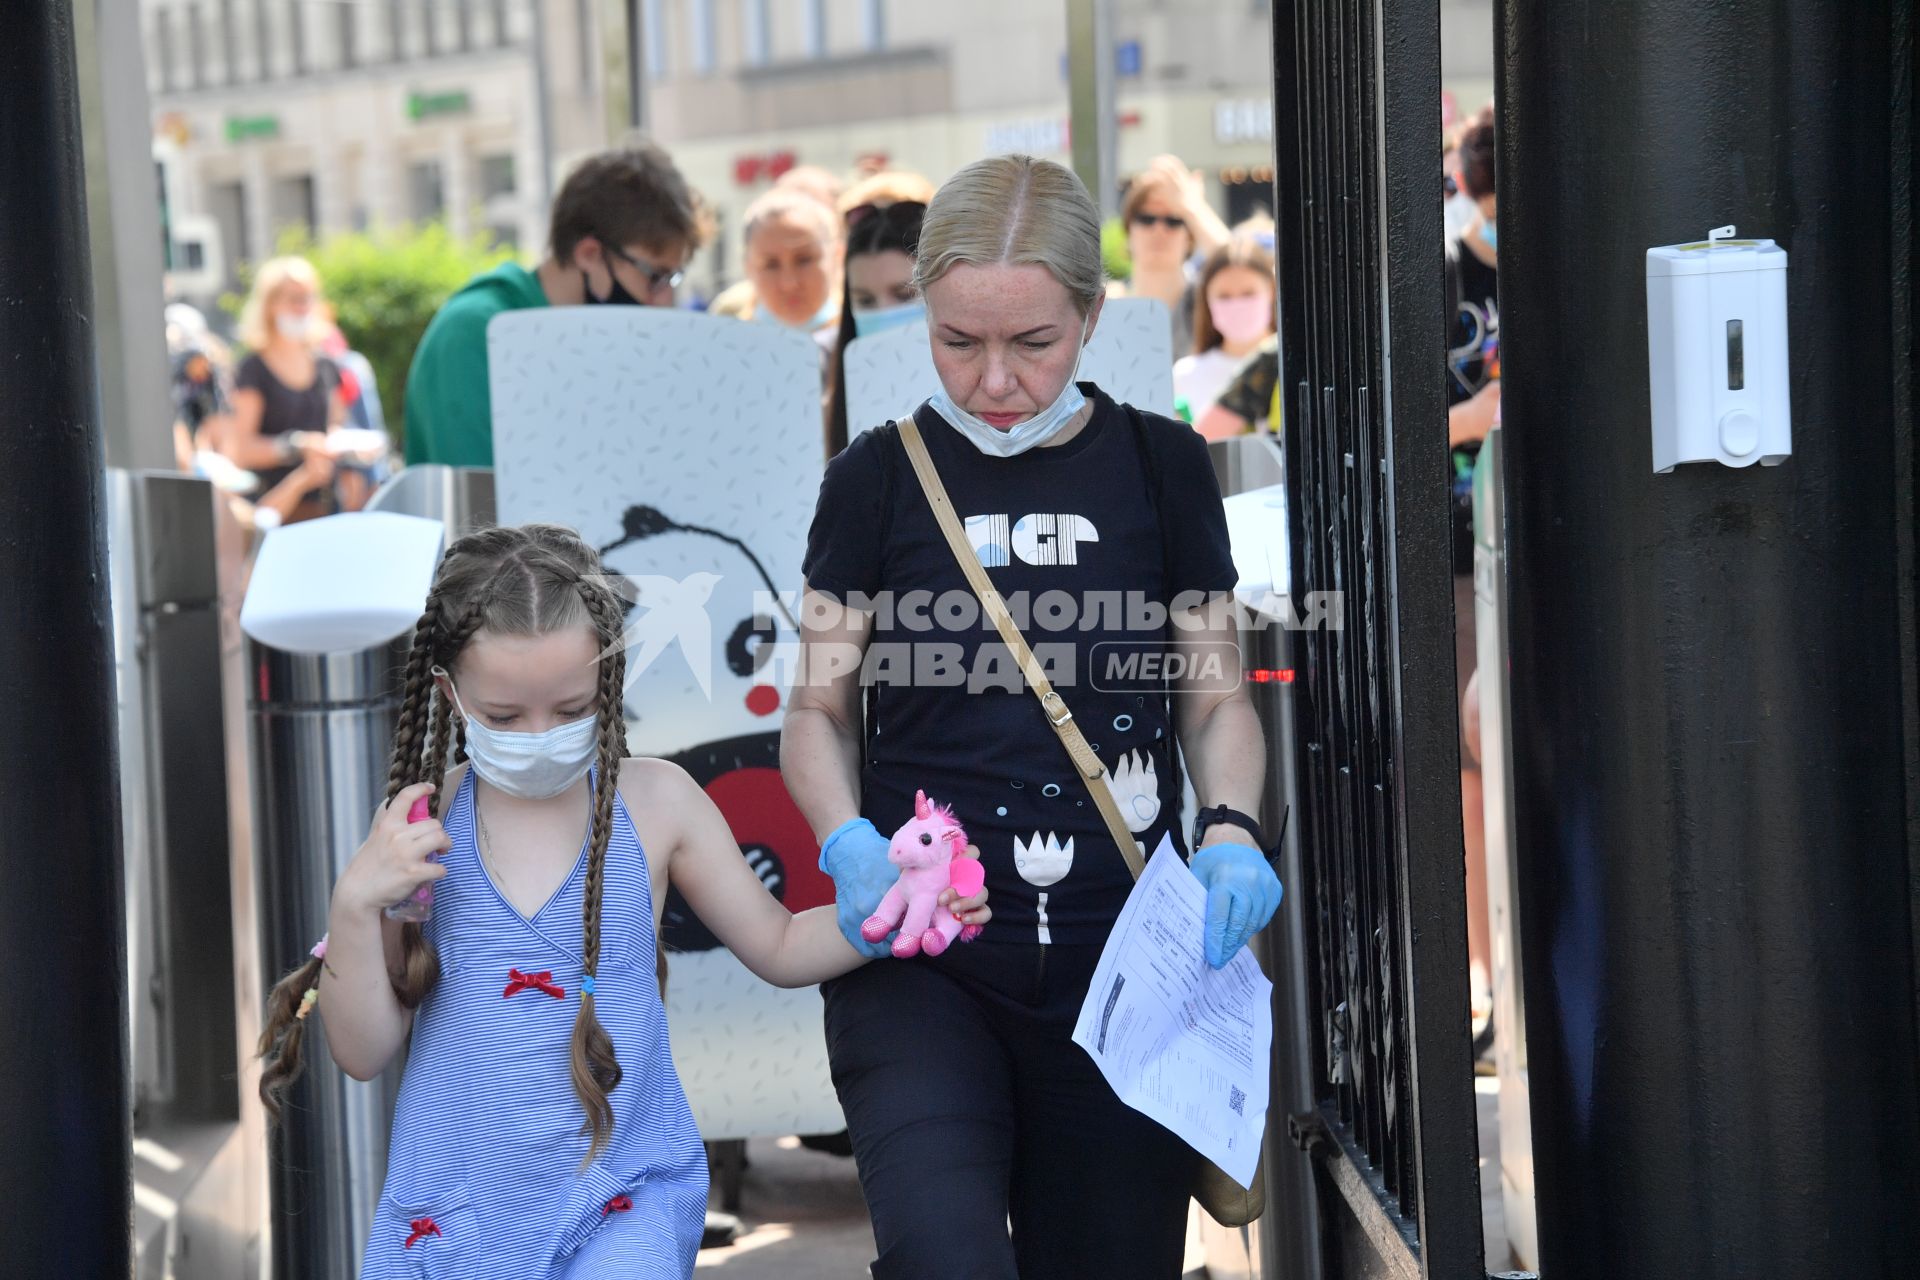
1178 1041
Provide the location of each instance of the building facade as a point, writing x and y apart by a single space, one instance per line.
334 115
742 90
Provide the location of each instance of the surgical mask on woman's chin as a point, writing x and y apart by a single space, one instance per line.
529 766
1242 319
1491 234
1021 436
881 319
815 321
294 328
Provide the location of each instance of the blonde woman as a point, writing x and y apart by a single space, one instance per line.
285 395
968 1104
793 259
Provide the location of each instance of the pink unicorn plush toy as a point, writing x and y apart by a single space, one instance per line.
931 852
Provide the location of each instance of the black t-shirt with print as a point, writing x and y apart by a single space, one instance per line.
949 711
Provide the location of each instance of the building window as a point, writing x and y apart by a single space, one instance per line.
347 35
814 21
293 204
242 48
496 176
262 41
426 192
163 46
873 23
296 19
654 25
756 39
704 38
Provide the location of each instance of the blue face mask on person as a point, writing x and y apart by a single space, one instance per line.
868 323
1021 436
1492 235
819 318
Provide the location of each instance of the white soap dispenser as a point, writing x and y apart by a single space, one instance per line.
1717 352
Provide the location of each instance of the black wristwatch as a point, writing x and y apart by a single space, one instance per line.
1233 817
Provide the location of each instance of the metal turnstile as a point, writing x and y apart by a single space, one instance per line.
1283 1244
320 727
196 1162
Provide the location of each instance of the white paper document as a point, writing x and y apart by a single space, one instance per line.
1177 1040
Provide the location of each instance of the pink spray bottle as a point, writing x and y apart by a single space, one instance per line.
418 905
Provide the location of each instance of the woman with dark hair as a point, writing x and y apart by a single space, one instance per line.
877 293
1236 315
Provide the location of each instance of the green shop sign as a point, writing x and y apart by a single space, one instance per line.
240 128
422 105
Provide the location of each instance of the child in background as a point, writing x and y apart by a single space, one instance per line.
1235 316
541 1130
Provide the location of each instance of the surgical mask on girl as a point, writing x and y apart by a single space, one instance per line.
294 327
529 766
881 319
1242 319
1021 436
1492 235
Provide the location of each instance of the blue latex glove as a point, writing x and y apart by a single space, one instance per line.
855 855
1242 895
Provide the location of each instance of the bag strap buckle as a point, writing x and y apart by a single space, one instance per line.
1058 713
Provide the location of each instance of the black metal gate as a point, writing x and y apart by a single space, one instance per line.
1356 102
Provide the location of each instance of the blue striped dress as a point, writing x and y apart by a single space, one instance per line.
483 1171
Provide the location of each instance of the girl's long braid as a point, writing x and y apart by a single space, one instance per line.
283 1033
426 761
596 1071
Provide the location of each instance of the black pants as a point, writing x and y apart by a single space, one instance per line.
969 1105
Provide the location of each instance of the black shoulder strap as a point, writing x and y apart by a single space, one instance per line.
1156 493
1156 483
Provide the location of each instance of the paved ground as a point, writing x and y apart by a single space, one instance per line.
805 1219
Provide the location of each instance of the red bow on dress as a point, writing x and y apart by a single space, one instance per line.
542 981
619 1204
422 1227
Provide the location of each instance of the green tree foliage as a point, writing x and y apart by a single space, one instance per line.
1113 250
385 286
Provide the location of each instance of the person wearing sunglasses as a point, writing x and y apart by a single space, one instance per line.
1170 227
623 227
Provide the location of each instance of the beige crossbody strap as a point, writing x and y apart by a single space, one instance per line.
1092 772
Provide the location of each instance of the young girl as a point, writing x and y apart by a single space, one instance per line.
540 1129
1234 318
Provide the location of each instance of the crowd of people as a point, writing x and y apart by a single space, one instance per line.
545 1128
290 424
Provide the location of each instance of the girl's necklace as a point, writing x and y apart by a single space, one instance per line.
485 842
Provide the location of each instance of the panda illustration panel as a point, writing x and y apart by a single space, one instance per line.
686 449
742 778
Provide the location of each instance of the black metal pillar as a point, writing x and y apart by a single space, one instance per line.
65 1193
1708 696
